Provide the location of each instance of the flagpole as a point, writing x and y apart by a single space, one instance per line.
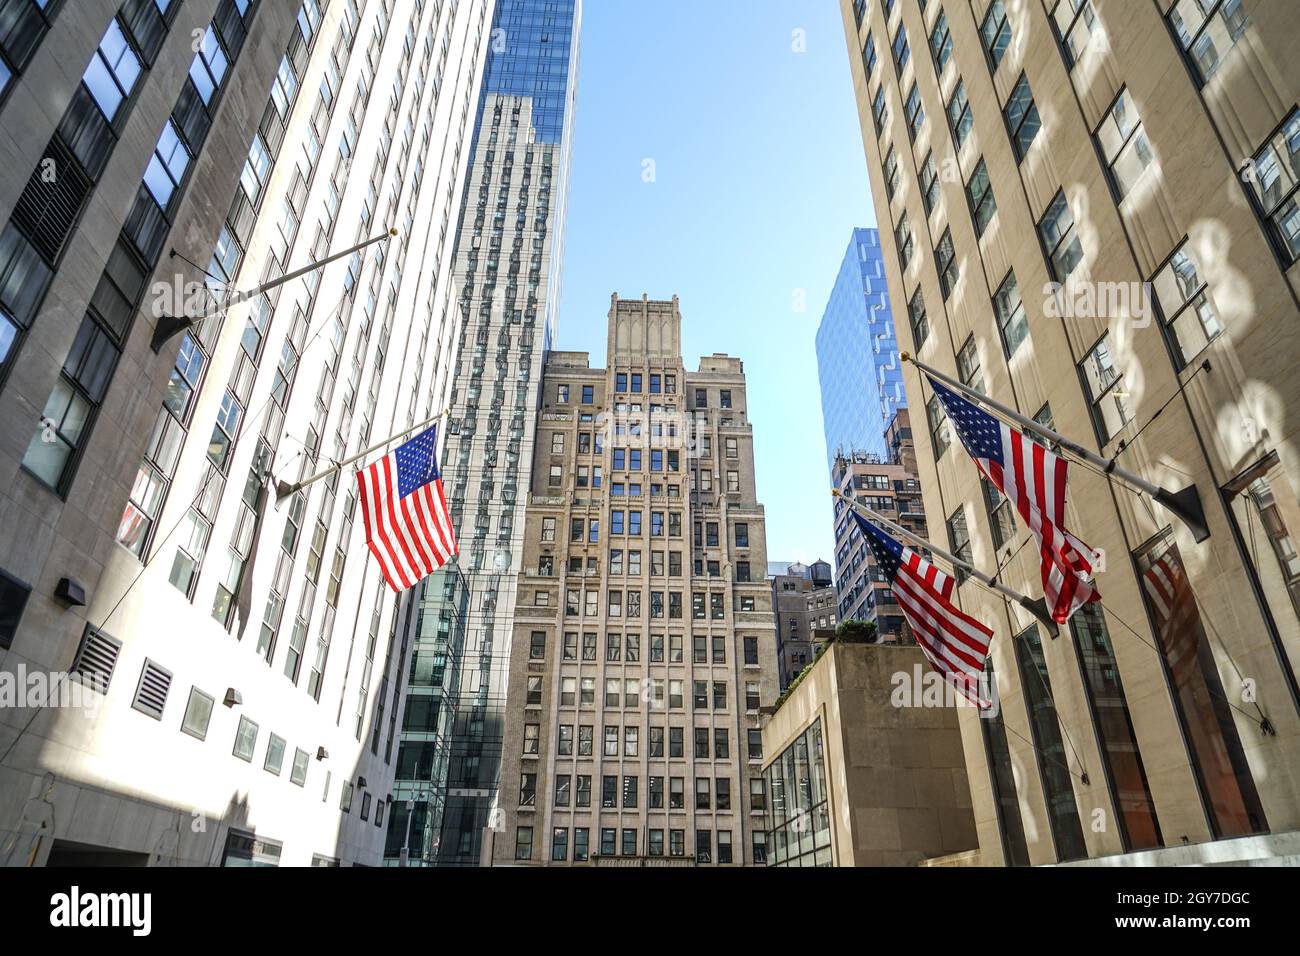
169 325
1038 608
1186 504
283 489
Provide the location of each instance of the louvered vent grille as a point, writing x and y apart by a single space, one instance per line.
151 694
52 200
96 658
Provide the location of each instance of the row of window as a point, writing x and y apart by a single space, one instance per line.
709 795
610 844
630 692
589 607
628 647
631 739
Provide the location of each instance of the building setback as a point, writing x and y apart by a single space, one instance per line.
889 487
643 642
1033 166
246 647
507 266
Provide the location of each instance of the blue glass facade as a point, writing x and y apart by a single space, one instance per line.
857 354
532 49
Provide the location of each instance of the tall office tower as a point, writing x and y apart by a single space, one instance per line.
234 654
889 487
1034 166
508 262
807 611
857 355
643 643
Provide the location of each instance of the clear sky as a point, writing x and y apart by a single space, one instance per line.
758 181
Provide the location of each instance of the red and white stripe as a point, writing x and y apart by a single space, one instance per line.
955 643
1035 486
411 537
1177 617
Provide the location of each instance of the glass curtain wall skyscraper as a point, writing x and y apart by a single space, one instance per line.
857 354
507 267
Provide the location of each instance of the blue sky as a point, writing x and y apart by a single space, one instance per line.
759 179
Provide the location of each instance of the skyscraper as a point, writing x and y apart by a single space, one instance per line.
508 262
643 643
857 355
1089 214
239 649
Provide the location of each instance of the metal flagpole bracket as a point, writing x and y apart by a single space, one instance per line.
169 326
1185 504
284 489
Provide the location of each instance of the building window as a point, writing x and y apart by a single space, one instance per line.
1074 21
1013 327
111 76
869 56
996 32
903 238
917 319
1207 29
891 172
945 260
1218 758
523 843
244 849
1002 777
69 411
960 119
915 112
941 42
968 365
1187 308
245 739
879 114
1060 238
1002 519
13 599
274 755
937 419
1110 412
1275 185
1127 779
958 536
1022 117
979 193
1124 144
198 712
929 183
901 52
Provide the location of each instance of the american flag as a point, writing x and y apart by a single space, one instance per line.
1033 479
1177 620
407 525
955 644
